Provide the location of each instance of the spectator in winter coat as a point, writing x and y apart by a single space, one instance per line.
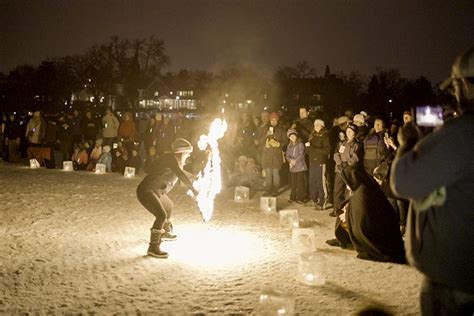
336 133
35 133
295 155
245 173
135 161
110 125
12 138
274 140
148 134
119 158
79 157
76 126
362 128
244 137
304 126
51 141
348 153
65 138
151 160
127 131
90 127
106 158
318 149
260 135
164 135
368 221
95 154
375 150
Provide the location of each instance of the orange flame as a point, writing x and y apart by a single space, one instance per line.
209 182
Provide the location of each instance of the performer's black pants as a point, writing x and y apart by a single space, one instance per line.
157 203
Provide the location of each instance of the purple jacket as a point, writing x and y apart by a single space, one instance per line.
296 152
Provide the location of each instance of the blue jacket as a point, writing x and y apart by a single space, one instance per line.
440 238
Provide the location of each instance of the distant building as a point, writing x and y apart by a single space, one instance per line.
160 95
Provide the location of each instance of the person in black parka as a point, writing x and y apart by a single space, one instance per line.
369 220
152 192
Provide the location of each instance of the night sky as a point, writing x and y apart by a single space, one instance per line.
417 37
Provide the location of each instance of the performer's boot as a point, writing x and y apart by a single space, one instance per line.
168 234
155 241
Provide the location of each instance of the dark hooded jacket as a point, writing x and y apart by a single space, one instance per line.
373 224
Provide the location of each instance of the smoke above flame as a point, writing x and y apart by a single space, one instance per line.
209 180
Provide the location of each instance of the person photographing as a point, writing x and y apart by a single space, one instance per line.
436 174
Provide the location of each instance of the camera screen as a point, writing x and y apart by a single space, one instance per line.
429 115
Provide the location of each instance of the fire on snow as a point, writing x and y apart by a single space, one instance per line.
208 182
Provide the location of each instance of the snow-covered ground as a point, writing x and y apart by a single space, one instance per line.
75 242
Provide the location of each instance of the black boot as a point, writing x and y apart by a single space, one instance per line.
168 234
155 241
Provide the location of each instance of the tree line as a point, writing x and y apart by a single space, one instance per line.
133 64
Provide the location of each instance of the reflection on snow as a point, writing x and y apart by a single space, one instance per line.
204 245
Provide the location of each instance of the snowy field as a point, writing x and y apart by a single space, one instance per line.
75 243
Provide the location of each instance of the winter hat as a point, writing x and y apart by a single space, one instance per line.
274 115
364 114
243 158
107 148
290 132
343 119
352 127
99 141
319 122
359 118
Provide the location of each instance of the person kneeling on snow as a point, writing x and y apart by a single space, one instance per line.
152 192
368 221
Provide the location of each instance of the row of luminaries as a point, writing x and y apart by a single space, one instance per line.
311 264
100 168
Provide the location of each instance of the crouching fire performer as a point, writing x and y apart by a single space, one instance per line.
152 192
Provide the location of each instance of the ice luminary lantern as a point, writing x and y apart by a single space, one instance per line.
289 219
129 172
241 194
311 269
67 166
274 302
34 164
100 168
268 204
303 240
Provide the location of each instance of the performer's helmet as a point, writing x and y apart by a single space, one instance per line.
181 145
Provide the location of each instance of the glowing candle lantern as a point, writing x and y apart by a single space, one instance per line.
100 168
311 269
303 240
273 302
129 172
34 164
268 204
67 166
289 219
241 194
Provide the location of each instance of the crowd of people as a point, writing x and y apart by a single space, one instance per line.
264 152
118 141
